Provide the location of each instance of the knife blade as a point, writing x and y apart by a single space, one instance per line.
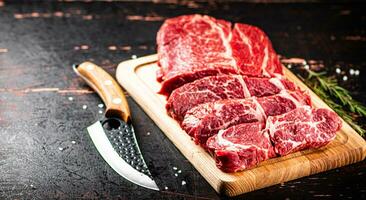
114 136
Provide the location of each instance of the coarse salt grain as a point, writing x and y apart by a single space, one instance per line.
73 142
100 105
183 182
148 133
306 67
71 98
289 66
175 168
180 171
85 107
175 174
100 112
166 188
351 72
60 148
345 78
338 71
133 56
357 72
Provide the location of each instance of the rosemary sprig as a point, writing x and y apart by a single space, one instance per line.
338 98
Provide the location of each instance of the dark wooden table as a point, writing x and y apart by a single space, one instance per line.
45 151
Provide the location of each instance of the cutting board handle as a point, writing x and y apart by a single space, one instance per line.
107 88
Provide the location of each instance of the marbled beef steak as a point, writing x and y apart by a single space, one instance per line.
240 147
214 88
226 88
302 128
205 120
194 46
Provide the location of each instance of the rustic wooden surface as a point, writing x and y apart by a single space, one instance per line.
38 122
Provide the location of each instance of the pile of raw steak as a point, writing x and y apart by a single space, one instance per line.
226 88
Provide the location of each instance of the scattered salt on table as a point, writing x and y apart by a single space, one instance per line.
338 71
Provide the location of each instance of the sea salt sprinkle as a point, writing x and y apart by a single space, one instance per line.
179 171
73 142
175 168
338 71
60 148
71 98
184 182
357 72
85 107
100 111
175 174
100 105
345 78
351 71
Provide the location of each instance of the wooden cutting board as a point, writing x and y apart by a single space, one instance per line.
137 76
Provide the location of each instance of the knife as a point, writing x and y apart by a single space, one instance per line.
114 136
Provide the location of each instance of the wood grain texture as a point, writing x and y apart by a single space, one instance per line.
107 88
138 78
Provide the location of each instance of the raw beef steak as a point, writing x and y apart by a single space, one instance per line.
253 51
194 46
302 128
215 88
205 120
191 47
240 147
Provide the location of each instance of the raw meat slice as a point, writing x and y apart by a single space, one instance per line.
191 47
205 120
302 128
215 88
194 46
253 51
240 147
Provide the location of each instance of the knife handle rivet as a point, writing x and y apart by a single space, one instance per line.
108 82
117 100
90 67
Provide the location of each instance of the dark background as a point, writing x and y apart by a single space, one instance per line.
38 122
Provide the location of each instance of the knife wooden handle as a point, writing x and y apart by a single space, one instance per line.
107 88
